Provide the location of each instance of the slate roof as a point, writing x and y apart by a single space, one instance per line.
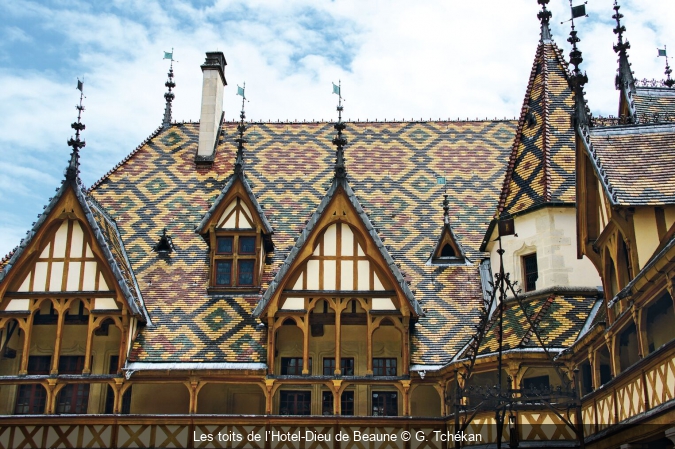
634 162
541 164
392 168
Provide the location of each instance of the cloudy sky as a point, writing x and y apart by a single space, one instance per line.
396 59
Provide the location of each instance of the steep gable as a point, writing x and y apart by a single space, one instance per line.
372 266
541 165
73 247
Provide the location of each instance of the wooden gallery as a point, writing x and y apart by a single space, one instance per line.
512 280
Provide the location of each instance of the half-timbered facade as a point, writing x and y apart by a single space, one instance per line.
250 277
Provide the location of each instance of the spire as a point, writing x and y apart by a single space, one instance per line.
669 81
239 162
169 96
578 79
339 141
624 77
544 17
446 210
73 169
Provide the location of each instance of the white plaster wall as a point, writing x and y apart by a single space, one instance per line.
551 233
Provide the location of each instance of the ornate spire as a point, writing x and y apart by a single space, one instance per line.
239 162
169 96
669 81
339 141
73 169
624 76
544 17
446 209
578 79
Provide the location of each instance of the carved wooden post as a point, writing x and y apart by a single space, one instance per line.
271 331
337 404
406 397
339 306
369 345
305 344
269 395
405 336
90 342
28 330
61 308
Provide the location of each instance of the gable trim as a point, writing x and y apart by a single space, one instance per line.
284 270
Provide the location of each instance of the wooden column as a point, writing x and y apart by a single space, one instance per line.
641 331
193 387
28 330
117 389
595 369
337 404
124 342
271 331
90 342
339 306
305 345
405 345
59 335
269 395
369 345
406 397
440 388
52 392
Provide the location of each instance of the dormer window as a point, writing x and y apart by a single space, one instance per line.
448 251
235 260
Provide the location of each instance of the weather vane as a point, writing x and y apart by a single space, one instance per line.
339 141
76 143
239 162
169 96
669 81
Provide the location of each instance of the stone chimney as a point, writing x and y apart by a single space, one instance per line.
212 106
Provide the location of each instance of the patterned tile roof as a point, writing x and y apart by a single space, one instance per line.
635 163
559 320
541 164
392 168
652 101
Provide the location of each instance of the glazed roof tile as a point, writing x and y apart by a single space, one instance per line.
635 163
541 164
392 169
559 320
654 101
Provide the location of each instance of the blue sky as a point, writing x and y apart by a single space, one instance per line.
396 59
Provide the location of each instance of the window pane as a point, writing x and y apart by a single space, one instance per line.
246 272
328 366
384 404
326 403
531 272
347 403
295 403
224 245
347 366
224 272
246 245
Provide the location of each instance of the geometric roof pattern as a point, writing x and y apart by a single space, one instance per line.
558 318
653 102
635 162
392 169
541 164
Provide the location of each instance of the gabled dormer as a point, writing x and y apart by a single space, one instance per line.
238 235
236 230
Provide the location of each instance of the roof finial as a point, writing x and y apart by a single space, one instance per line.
239 162
169 96
446 209
339 141
669 81
73 166
625 76
544 16
578 79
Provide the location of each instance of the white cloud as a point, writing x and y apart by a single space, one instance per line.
396 59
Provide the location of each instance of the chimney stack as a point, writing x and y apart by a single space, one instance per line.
212 106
